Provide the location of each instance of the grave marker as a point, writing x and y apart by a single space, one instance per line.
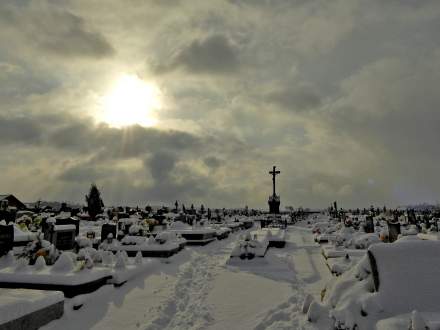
393 231
107 229
6 239
63 237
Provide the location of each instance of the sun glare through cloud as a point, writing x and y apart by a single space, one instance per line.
131 101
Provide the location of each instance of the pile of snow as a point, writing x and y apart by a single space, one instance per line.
179 225
250 246
364 241
133 240
23 236
375 289
126 268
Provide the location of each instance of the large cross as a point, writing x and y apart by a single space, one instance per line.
274 172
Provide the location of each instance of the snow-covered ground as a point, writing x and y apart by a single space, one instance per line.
199 289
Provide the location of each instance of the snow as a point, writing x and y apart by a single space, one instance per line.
65 271
15 303
23 236
199 289
408 272
64 227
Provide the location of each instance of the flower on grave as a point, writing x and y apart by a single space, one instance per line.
39 248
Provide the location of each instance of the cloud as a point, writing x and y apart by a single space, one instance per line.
215 54
213 162
84 173
19 130
295 98
53 30
332 93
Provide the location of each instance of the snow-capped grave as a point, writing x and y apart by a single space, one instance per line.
406 274
393 279
20 308
250 246
275 236
162 246
126 269
193 235
67 275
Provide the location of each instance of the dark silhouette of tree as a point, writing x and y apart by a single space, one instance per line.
94 202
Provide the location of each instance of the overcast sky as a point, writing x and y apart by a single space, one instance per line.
343 96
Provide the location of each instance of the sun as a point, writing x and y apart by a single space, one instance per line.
131 101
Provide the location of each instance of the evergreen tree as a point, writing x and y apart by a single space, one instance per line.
94 202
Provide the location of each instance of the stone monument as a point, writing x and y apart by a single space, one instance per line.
274 200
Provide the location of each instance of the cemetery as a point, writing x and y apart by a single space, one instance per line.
344 267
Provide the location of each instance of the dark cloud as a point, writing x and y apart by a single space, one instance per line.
84 173
18 130
215 54
161 164
74 39
213 162
132 141
295 98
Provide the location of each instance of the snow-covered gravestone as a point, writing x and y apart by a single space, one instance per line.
107 229
6 238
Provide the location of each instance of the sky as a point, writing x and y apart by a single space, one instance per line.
164 100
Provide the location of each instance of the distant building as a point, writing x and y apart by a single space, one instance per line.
12 201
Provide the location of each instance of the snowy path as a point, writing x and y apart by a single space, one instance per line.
198 290
186 308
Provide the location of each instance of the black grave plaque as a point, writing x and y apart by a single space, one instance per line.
393 231
6 239
107 229
369 224
65 240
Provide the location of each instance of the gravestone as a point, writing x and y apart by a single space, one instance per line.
6 239
393 231
63 237
369 224
69 221
107 229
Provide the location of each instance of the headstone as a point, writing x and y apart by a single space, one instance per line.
6 239
393 231
369 224
107 229
69 221
63 237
